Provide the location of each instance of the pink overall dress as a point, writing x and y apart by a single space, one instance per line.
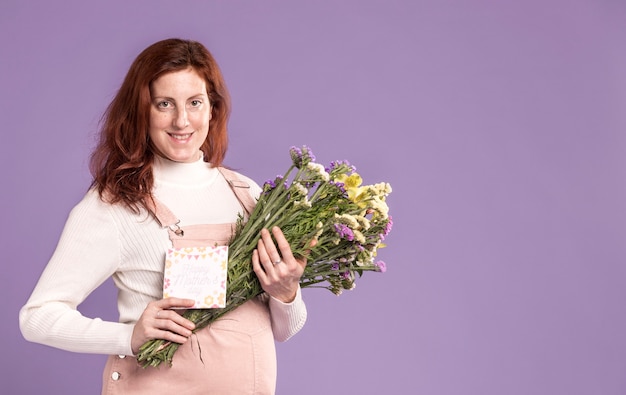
238 352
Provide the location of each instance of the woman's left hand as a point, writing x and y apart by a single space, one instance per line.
278 271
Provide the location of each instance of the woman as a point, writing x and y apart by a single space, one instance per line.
158 183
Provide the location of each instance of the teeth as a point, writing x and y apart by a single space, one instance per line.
181 136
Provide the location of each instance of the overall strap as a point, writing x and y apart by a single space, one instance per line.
164 216
240 188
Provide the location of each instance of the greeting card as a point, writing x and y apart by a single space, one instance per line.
197 273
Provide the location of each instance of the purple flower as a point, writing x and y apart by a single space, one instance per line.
382 267
300 157
334 266
344 231
306 150
387 228
307 184
295 152
339 185
343 165
270 185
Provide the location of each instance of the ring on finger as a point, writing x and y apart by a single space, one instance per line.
276 262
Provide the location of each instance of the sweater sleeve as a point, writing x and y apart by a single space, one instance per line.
287 318
87 254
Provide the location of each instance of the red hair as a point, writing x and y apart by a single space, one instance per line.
121 163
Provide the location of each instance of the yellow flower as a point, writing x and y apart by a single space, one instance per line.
353 181
352 184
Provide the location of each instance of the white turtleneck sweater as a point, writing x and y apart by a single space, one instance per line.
101 240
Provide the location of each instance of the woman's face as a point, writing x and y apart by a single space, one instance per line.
179 115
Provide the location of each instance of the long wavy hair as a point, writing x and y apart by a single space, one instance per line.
121 163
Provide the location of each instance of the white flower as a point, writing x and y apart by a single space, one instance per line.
300 189
319 170
304 202
382 188
380 207
347 219
363 222
358 236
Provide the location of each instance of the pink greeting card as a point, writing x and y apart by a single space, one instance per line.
197 273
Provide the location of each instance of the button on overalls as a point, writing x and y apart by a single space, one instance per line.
238 352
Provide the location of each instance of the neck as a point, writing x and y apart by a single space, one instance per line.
182 173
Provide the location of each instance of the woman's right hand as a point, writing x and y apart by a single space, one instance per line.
159 321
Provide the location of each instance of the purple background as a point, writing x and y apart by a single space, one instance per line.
501 126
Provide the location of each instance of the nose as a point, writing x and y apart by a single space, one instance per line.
181 121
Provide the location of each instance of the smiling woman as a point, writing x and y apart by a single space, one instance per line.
179 115
160 152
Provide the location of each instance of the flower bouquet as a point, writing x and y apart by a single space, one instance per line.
348 220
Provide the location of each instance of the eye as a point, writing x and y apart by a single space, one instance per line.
196 103
164 104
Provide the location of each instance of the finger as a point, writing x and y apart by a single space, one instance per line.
176 335
165 329
268 255
175 323
165 311
256 266
283 244
270 247
175 303
165 316
261 251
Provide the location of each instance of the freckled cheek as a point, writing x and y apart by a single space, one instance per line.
160 121
200 122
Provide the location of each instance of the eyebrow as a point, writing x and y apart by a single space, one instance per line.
190 97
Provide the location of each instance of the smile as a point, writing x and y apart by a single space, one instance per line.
180 136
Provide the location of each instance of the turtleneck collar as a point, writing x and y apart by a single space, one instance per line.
183 173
